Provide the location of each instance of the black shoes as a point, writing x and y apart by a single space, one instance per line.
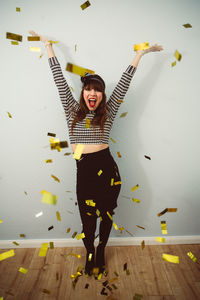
100 259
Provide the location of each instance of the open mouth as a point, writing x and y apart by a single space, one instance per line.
92 102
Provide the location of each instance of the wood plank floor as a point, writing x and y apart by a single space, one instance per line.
150 275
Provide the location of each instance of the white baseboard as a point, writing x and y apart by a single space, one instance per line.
113 241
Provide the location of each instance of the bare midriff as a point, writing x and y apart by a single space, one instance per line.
90 148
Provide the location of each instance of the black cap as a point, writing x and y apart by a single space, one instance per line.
85 79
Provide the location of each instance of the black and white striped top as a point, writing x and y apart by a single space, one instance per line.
81 134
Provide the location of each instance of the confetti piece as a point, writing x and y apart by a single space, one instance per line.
125 266
120 101
127 272
13 36
51 227
53 42
171 258
172 210
57 276
135 200
41 55
160 240
25 193
46 291
1 298
64 144
103 292
115 226
90 257
143 245
55 178
192 256
123 115
173 64
100 172
112 140
80 236
85 5
87 123
109 288
87 285
112 181
15 243
137 296
78 151
177 55
33 38
51 134
89 214
90 202
51 244
9 114
117 182
74 254
22 270
58 216
116 274
119 155
135 187
167 210
100 275
78 70
75 48
148 157
140 227
7 254
114 286
98 212
35 49
14 43
43 250
39 214
129 232
121 229
68 230
74 234
187 25
48 198
141 46
55 144
22 235
109 215
67 153
163 227
18 9
48 161
1 221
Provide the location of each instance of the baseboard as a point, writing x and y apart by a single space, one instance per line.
113 241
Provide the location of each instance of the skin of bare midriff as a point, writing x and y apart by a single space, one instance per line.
90 148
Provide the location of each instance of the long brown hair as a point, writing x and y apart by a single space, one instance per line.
100 113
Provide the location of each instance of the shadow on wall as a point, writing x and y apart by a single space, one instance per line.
132 173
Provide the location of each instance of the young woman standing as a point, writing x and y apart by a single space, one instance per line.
98 177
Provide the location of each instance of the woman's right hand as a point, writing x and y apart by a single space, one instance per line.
42 38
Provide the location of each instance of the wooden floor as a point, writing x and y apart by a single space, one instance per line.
150 275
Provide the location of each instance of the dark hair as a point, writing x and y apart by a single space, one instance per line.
100 113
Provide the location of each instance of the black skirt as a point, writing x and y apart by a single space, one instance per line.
91 186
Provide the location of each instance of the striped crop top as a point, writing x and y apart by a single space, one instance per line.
81 134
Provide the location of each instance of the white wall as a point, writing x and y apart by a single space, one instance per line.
162 122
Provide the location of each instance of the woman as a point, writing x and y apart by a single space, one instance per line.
89 123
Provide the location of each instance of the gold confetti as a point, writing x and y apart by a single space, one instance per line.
187 25
109 215
48 161
43 250
39 214
14 43
51 134
123 114
55 178
116 274
115 226
172 210
80 236
75 48
112 181
148 157
85 5
171 258
87 123
121 229
74 234
125 266
162 212
22 270
120 101
15 243
46 291
117 182
1 221
87 285
173 64
78 70
140 227
72 89
164 227
13 36
68 230
55 144
100 172
177 55
48 198
135 200
35 49
127 272
51 227
141 46
112 140
53 42
78 151
143 245
90 202
9 114
89 214
119 155
18 9
90 257
41 55
67 153
22 235
160 240
137 296
7 254
100 275
135 187
58 216
74 254
51 244
98 212
192 256
25 192
33 38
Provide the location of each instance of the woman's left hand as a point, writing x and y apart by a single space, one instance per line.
152 48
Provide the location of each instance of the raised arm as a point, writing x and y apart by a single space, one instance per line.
66 96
